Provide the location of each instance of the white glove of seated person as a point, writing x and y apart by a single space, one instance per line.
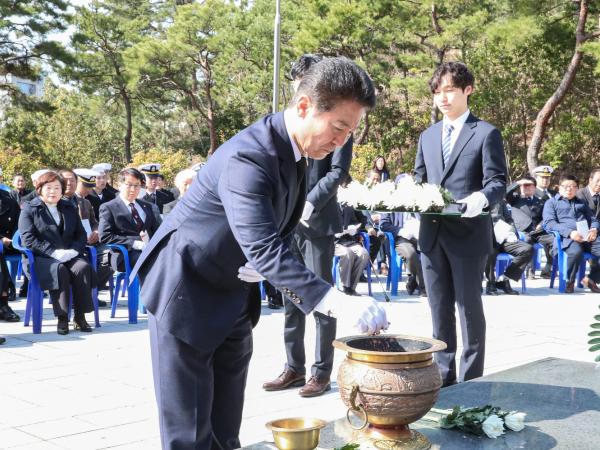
475 204
306 213
364 312
249 274
138 245
64 255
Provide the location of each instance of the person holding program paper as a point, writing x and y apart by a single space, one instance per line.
231 229
578 226
465 155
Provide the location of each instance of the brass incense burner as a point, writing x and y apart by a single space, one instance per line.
389 381
298 433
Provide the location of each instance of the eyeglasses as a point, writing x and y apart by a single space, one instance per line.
569 186
132 186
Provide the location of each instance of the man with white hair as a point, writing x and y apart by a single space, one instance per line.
183 181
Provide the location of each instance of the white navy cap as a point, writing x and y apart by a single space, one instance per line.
150 169
38 173
543 171
86 176
102 167
196 167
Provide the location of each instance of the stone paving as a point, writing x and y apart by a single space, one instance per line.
93 391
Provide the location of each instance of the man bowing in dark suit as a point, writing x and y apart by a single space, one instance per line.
232 228
465 155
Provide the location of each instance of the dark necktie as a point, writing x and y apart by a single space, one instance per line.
139 223
596 199
300 170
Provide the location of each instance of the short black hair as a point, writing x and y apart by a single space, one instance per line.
334 80
132 172
301 66
594 171
568 177
459 73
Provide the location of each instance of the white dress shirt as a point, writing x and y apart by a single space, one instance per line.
457 124
139 209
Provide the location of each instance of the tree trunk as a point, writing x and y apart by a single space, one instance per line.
557 97
128 131
363 135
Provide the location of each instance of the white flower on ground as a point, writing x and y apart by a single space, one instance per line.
515 421
493 426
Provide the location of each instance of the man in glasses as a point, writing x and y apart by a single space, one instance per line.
578 227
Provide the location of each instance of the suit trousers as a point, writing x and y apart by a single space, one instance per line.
200 393
521 252
450 280
353 261
547 240
317 255
117 262
74 277
575 254
408 250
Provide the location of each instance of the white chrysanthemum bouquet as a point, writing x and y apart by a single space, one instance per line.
406 196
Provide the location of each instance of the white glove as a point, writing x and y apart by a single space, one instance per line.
138 245
352 230
64 255
249 274
364 312
306 213
475 204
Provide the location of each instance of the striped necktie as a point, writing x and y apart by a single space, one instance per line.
447 143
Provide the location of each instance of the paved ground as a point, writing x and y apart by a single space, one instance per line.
92 391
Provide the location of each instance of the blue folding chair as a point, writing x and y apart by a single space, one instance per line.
503 260
14 264
131 286
336 265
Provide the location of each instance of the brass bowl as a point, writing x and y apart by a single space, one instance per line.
296 433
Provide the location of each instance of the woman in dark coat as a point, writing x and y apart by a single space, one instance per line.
50 227
380 166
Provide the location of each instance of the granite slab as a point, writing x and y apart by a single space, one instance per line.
561 398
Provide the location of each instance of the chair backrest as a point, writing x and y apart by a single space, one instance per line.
16 241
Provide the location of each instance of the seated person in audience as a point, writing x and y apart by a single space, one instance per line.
591 193
102 192
506 240
572 218
183 180
405 228
543 178
126 220
153 195
161 187
50 227
526 211
354 257
20 189
9 216
86 180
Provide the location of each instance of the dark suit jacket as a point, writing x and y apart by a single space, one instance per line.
9 215
477 163
392 223
562 215
27 198
543 196
527 214
18 196
42 236
117 225
323 178
107 196
585 195
243 206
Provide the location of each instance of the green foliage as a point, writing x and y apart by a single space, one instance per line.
172 161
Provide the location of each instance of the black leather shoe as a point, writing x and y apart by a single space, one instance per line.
506 287
570 288
7 314
63 325
22 292
490 289
102 303
350 291
2 340
80 324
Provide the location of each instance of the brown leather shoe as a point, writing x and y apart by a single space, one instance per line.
288 379
570 288
315 387
590 284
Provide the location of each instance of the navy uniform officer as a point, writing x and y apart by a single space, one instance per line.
236 222
153 194
543 177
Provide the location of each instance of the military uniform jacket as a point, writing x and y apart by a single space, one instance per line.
526 213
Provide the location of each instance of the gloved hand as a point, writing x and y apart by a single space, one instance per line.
475 204
138 245
306 213
249 274
364 312
64 255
